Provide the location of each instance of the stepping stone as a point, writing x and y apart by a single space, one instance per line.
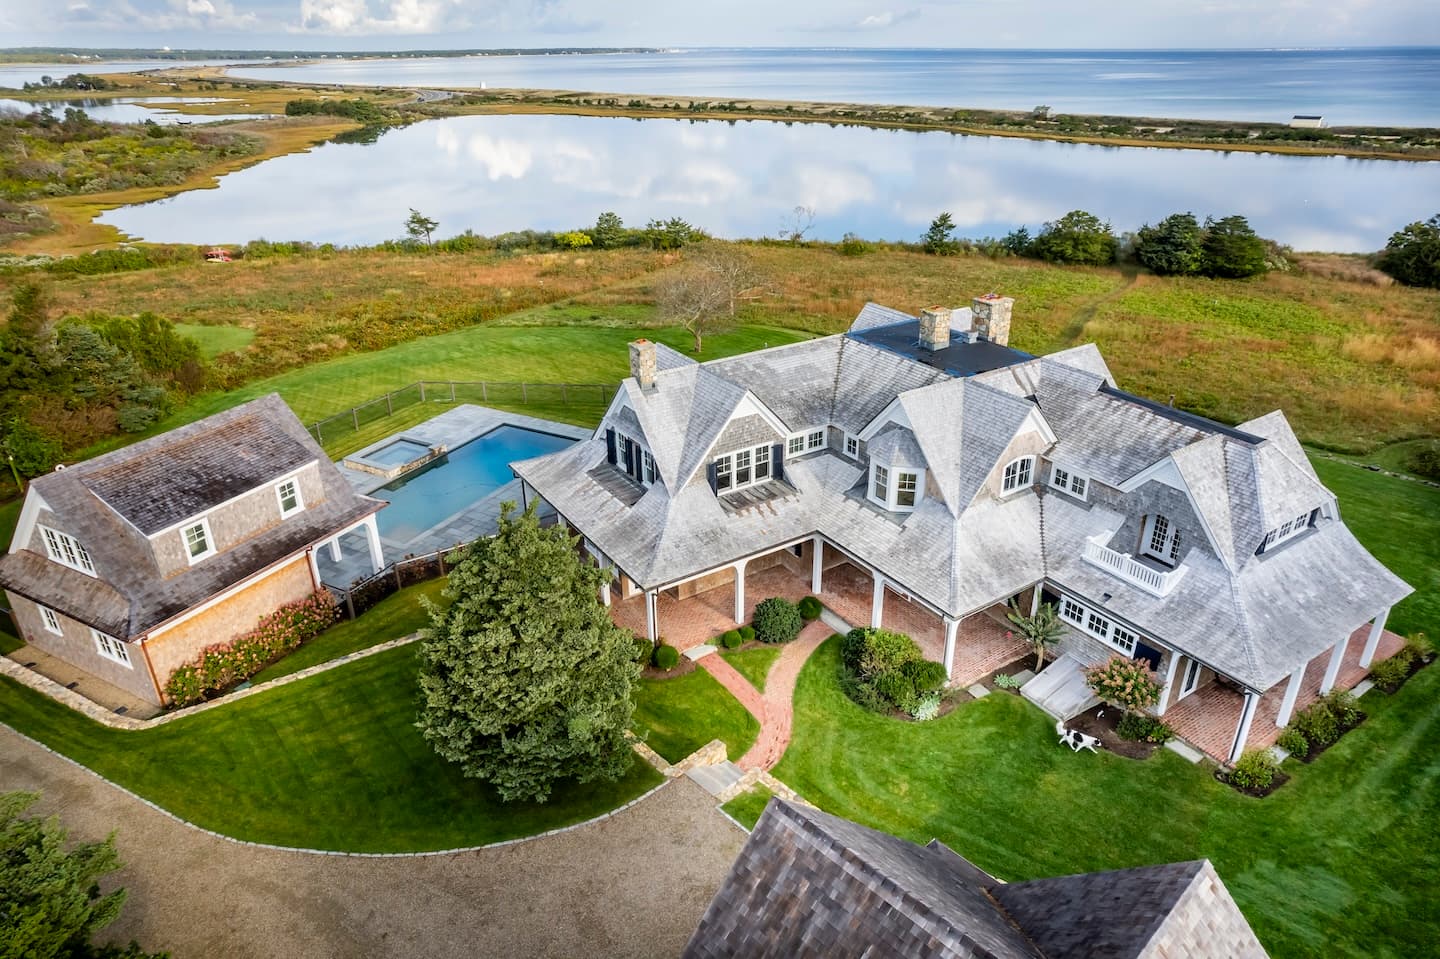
1190 753
834 621
1025 675
977 691
1361 688
697 652
716 779
1279 754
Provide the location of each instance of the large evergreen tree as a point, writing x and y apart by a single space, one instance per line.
524 679
1077 237
1412 255
50 903
1172 247
1232 250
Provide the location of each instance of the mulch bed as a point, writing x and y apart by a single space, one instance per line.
1279 780
684 667
1415 666
1100 722
1012 668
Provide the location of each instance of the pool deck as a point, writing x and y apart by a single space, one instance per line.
453 428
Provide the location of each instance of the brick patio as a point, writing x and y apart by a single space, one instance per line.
981 644
1208 717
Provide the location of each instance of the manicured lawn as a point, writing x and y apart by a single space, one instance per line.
333 762
1340 861
678 716
753 664
215 340
747 807
391 618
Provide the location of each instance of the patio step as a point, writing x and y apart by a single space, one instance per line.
1060 689
718 778
696 652
832 619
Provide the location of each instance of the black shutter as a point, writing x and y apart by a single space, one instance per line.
777 461
630 458
1149 654
710 477
610 446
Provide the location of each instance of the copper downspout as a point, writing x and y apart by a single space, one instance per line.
151 668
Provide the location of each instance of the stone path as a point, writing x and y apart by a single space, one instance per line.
774 709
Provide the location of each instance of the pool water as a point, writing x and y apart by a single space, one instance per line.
398 453
464 476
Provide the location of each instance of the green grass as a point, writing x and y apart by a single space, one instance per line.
391 618
9 519
1340 861
747 807
677 716
333 762
753 664
9 642
215 340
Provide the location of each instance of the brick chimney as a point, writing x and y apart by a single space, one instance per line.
642 363
992 317
934 328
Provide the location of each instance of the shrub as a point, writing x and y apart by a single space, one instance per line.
1391 672
777 620
1127 683
1293 741
1318 724
1004 681
730 638
810 609
924 674
1343 707
926 708
895 688
852 245
1419 647
666 657
1255 769
747 633
876 651
644 649
1141 728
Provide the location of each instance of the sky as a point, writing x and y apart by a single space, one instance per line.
452 24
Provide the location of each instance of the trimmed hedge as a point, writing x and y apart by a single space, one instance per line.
777 620
666 657
730 639
747 633
224 664
1255 769
810 609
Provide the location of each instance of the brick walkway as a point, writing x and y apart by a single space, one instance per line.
774 710
1208 717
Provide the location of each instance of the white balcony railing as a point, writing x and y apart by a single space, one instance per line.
1155 581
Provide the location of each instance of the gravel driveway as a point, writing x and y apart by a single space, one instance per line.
631 885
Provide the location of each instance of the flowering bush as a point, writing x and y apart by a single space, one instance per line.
224 664
1127 683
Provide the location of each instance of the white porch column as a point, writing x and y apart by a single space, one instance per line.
334 545
1247 714
1035 600
817 556
314 566
877 600
1332 670
952 626
740 608
372 536
605 594
1169 683
1373 642
652 628
1292 690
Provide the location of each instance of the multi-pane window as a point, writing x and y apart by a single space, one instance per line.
905 490
1063 479
66 550
51 621
1072 611
1287 530
742 468
1161 538
814 440
289 495
895 489
795 445
807 442
852 446
111 648
1018 474
197 541
1099 626
649 466
882 484
1123 639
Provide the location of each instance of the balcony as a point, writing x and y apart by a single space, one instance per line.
1158 582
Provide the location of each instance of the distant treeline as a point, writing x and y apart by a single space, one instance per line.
89 55
365 111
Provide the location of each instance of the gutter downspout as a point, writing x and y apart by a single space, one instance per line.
150 667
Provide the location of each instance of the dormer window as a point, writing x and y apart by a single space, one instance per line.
1018 474
895 488
741 468
1069 482
809 441
198 542
288 492
852 446
1287 531
66 550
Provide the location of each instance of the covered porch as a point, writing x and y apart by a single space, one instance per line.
1211 717
695 611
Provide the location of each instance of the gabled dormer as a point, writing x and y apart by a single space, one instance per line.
897 469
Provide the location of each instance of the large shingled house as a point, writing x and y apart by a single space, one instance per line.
811 884
127 565
920 473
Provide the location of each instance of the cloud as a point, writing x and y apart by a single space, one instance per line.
362 17
126 17
887 19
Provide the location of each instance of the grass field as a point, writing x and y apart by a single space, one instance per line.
747 807
677 716
333 762
216 339
753 664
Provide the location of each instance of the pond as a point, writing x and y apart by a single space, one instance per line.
500 173
132 109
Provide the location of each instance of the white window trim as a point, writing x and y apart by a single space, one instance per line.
891 500
1288 530
75 557
810 440
648 473
299 497
1190 678
1070 481
755 479
111 648
1022 464
50 621
204 523
1106 633
852 446
1169 554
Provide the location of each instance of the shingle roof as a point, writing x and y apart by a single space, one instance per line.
128 596
810 884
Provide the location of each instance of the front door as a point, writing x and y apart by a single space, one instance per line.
1191 678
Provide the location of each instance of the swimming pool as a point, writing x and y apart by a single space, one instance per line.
464 476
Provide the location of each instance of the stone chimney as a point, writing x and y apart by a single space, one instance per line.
934 328
992 317
642 363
